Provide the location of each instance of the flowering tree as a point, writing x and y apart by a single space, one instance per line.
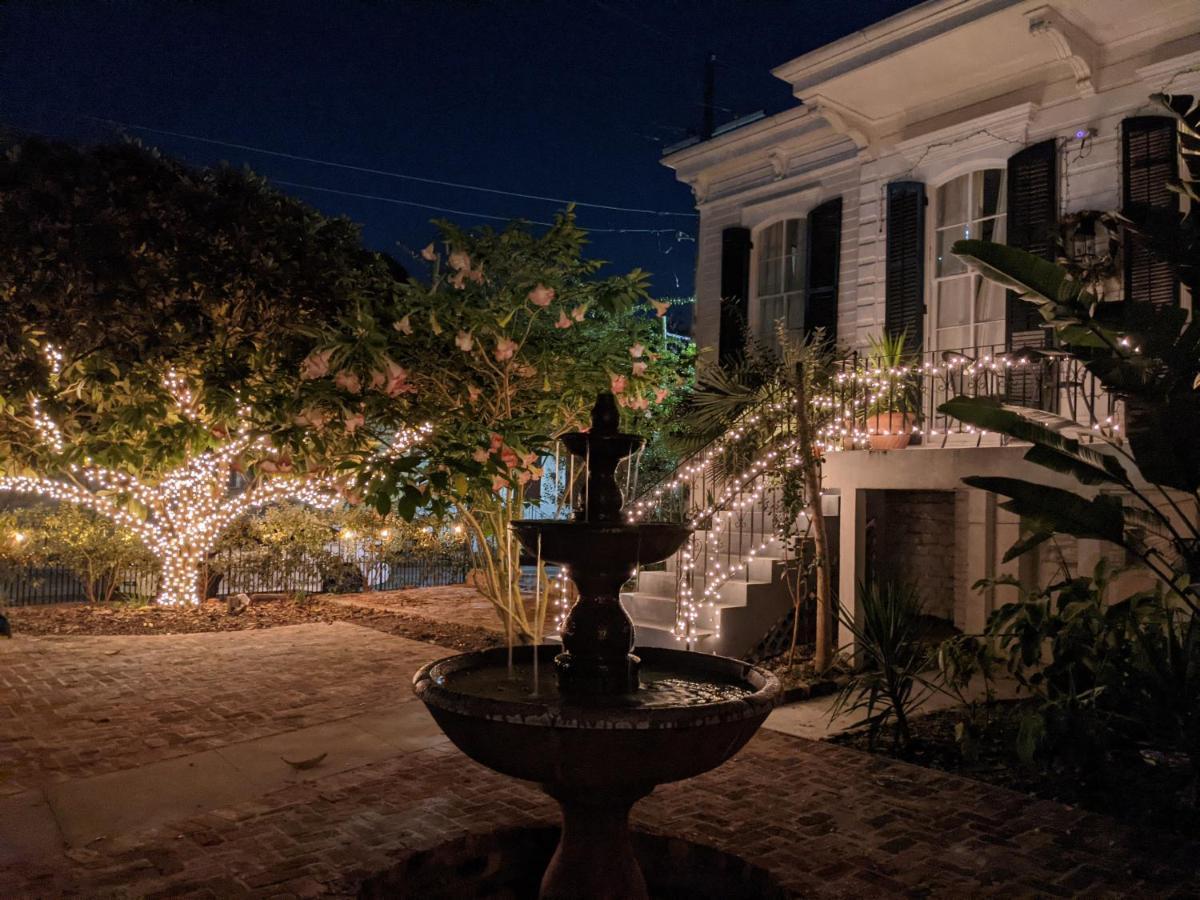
159 322
502 350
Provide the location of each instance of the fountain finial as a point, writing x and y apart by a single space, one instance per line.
606 418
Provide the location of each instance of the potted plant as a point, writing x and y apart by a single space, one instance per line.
892 396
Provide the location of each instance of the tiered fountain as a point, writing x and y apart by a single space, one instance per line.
611 725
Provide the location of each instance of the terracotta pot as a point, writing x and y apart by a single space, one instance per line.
890 431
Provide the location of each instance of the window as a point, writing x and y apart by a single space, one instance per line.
968 310
780 278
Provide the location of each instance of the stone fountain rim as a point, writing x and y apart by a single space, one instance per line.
766 695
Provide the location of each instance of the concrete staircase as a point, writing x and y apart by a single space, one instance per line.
748 595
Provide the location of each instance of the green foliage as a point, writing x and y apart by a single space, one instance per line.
886 354
131 265
958 661
887 686
77 540
1087 650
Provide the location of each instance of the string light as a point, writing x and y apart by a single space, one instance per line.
190 506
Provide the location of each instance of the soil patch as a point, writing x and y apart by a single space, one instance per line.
265 611
1139 786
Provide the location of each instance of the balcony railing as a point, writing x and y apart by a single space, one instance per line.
874 397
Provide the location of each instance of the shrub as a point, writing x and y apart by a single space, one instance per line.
887 686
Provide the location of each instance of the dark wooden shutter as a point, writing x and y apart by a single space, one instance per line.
1032 220
905 284
735 292
1033 226
824 260
1148 163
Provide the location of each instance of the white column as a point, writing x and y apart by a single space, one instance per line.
981 558
852 550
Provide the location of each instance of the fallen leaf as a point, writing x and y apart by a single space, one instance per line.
311 763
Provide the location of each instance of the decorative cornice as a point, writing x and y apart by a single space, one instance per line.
1010 125
1071 44
844 120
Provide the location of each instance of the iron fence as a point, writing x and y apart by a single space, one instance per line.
344 568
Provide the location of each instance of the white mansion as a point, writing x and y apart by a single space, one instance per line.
957 118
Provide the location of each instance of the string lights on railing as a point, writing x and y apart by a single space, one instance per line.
862 388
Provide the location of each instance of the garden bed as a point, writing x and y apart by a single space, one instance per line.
1139 787
266 611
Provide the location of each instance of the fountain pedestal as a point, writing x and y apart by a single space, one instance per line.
594 849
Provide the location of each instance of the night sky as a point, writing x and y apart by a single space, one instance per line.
570 100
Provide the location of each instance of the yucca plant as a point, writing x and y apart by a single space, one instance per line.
886 685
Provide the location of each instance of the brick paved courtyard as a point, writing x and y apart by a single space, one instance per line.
136 766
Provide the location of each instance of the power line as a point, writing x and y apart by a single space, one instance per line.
679 235
337 165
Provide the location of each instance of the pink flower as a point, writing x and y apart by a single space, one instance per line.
476 275
480 455
428 254
660 307
465 341
395 380
524 477
637 350
460 260
541 295
639 402
473 393
509 457
496 443
348 381
525 370
505 348
639 368
660 395
404 326
563 321
528 459
317 418
619 384
579 312
315 365
353 422
498 484
458 279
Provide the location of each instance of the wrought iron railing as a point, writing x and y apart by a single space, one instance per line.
873 396
728 491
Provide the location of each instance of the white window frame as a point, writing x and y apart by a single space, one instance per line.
933 228
760 328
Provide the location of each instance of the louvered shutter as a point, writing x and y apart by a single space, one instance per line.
735 292
905 272
1149 162
824 259
1033 226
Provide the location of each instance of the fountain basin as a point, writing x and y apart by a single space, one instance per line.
614 744
603 545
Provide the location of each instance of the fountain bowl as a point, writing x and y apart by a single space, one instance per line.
603 544
612 745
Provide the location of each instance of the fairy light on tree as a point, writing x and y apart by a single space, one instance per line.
164 376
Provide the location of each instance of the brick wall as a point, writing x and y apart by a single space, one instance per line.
915 540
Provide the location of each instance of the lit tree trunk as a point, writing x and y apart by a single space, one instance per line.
189 508
810 463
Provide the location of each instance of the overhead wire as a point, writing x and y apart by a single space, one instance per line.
382 172
678 233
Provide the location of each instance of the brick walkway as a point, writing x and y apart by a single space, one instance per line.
825 820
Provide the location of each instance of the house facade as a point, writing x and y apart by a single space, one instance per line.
1008 120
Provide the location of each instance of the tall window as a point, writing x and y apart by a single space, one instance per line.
968 310
780 278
